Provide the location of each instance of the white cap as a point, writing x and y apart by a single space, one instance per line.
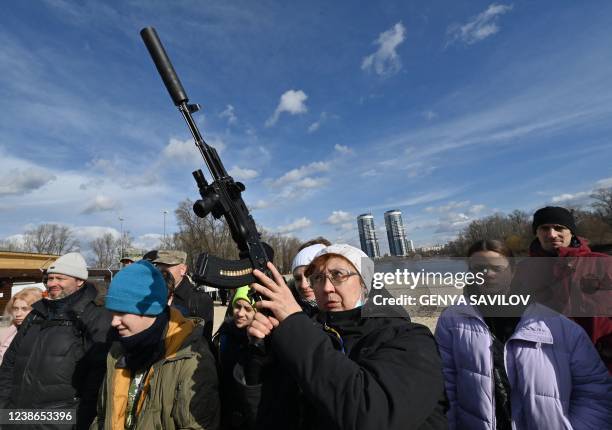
71 264
306 255
358 258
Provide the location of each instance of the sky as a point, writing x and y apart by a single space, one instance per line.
448 111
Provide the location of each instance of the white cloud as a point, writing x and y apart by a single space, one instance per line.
15 239
416 200
299 182
301 188
292 102
476 209
215 142
295 175
100 203
310 182
604 183
567 197
260 204
385 60
182 151
343 149
243 174
229 114
314 126
317 124
581 198
452 222
429 115
479 27
86 234
102 165
447 207
348 226
370 173
298 224
339 217
148 241
186 152
22 181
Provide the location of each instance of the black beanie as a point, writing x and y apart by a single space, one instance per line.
553 215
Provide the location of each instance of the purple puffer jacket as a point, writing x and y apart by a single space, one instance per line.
558 380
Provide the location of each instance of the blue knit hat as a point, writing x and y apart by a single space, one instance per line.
138 289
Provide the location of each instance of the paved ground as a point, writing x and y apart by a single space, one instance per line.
219 315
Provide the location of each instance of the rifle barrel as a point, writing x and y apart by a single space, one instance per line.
164 66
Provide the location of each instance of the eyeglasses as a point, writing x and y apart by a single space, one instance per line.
335 276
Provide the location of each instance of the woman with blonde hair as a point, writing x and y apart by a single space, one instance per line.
17 309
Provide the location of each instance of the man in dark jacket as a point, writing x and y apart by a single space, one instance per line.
192 301
57 360
568 277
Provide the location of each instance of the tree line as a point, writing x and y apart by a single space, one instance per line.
593 223
194 236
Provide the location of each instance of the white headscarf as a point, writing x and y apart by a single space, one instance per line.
306 255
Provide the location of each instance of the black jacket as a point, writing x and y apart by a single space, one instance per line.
57 359
348 372
230 347
194 302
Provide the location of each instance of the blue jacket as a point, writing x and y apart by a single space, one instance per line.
558 380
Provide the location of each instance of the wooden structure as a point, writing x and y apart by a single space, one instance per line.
21 267
30 267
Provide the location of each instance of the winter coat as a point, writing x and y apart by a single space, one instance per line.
348 372
231 344
7 334
576 283
194 302
557 379
180 390
56 361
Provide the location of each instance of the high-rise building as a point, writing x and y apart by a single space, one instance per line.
410 246
367 235
396 235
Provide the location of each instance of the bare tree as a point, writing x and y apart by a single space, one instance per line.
11 245
50 239
514 229
285 248
105 250
197 235
593 226
603 203
124 244
171 241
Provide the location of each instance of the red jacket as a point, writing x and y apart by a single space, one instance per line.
576 282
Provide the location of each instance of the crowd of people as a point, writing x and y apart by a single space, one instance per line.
142 354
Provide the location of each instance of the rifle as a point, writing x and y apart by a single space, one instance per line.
221 198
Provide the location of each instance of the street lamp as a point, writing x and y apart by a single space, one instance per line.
121 239
164 236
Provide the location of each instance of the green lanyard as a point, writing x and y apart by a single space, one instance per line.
134 392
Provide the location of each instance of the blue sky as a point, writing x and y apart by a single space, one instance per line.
448 111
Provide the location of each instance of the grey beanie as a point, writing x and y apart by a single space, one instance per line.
71 264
